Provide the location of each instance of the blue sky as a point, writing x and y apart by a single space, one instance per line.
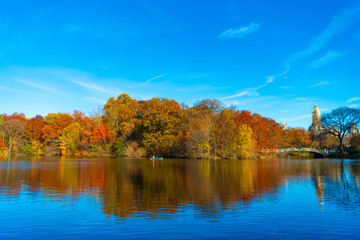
277 58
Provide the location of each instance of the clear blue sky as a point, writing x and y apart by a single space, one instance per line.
278 58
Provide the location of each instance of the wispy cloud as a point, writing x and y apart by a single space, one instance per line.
354 105
301 99
295 118
285 87
22 92
245 92
239 32
338 23
270 79
160 76
353 99
94 87
234 102
241 94
320 84
39 86
327 58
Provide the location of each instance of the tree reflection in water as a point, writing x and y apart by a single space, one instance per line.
127 187
337 182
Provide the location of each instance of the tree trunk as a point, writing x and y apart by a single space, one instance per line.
341 144
9 150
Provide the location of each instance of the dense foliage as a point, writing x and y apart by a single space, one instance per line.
159 126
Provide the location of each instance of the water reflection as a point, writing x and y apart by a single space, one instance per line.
127 187
337 182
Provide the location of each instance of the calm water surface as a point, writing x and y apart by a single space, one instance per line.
108 198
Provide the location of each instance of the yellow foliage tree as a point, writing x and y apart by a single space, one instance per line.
160 124
70 138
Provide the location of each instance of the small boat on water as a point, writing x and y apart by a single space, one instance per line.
156 158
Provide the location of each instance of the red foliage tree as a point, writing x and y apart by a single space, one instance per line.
15 116
98 134
2 144
267 132
34 129
296 137
55 123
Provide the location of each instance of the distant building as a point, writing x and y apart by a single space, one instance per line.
353 130
315 127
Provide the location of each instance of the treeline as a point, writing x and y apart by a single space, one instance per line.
159 126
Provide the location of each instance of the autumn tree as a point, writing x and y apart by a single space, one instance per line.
222 130
34 130
296 137
242 143
2 145
203 141
15 116
55 123
11 130
120 114
98 134
267 133
339 122
233 141
198 139
160 123
70 137
324 140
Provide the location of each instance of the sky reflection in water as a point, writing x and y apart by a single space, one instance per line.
178 199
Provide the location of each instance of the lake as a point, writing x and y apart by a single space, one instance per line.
120 198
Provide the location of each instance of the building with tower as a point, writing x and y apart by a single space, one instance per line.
353 131
315 127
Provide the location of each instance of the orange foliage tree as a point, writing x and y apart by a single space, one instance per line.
15 116
34 129
55 123
267 133
2 145
297 137
159 126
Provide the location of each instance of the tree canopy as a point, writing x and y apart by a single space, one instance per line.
339 121
158 126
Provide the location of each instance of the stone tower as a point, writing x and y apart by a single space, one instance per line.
353 130
316 120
